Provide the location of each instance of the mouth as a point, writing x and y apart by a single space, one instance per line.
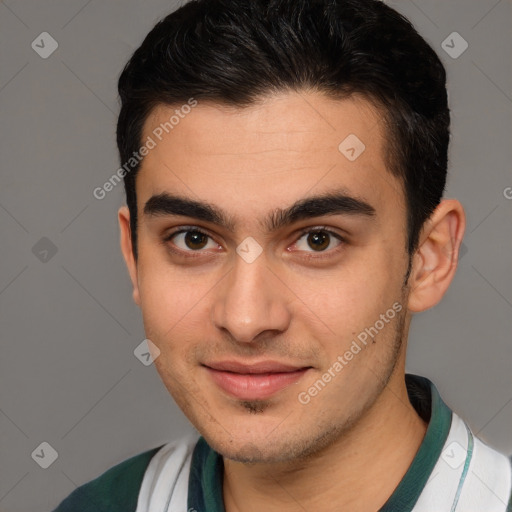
255 381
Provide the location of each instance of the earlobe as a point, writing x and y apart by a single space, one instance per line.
435 260
127 250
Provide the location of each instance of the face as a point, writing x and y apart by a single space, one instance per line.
270 271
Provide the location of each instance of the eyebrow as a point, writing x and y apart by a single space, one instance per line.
332 203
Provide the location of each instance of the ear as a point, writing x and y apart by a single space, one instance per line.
127 250
435 260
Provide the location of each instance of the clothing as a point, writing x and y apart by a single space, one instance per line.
453 471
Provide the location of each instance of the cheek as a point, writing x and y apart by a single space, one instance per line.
167 291
168 303
352 295
176 309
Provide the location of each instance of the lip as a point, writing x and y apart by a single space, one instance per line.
254 381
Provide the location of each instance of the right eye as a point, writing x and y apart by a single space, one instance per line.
190 239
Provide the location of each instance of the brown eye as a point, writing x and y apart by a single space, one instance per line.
318 240
196 240
190 240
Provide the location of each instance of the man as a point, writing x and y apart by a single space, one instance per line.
285 162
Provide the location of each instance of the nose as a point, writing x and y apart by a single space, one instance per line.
250 301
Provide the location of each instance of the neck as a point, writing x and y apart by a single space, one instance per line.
358 472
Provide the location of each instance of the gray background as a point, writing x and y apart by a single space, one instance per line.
68 375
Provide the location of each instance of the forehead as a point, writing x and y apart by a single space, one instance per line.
285 147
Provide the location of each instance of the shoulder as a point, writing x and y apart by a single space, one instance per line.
115 490
482 474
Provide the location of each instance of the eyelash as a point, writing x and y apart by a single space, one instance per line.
310 256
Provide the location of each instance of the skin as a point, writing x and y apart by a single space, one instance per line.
287 306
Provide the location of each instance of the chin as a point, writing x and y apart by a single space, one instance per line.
260 448
247 451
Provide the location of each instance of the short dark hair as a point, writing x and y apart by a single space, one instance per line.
235 52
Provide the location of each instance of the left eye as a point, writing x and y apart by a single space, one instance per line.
318 240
